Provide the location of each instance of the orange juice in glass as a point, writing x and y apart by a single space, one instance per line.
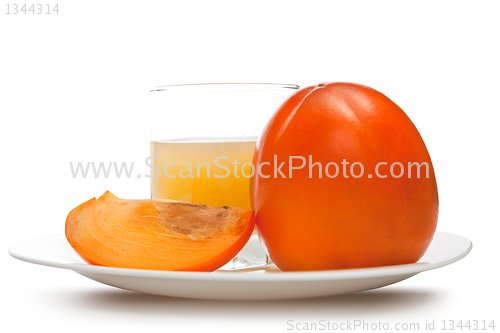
210 171
203 138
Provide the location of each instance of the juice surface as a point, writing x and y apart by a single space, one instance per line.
195 180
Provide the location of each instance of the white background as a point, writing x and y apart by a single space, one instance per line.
73 87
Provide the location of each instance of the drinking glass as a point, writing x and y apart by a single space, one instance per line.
203 137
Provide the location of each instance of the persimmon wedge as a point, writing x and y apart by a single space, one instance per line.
157 234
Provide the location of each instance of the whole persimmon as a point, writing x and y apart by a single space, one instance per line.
343 180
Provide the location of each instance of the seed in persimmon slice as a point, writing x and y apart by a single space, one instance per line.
157 234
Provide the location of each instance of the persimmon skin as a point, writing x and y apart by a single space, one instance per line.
340 223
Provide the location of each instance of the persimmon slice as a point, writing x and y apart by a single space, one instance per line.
157 234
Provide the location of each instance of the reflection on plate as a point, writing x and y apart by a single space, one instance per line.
247 277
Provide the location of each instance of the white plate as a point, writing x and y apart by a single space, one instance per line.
265 282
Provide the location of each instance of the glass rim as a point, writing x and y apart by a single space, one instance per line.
224 87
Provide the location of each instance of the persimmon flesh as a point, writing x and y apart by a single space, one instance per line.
320 222
157 234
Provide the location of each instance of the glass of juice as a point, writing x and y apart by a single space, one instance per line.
203 137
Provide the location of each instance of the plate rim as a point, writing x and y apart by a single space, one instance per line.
220 276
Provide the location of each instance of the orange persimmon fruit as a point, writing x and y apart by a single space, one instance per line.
157 234
315 221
